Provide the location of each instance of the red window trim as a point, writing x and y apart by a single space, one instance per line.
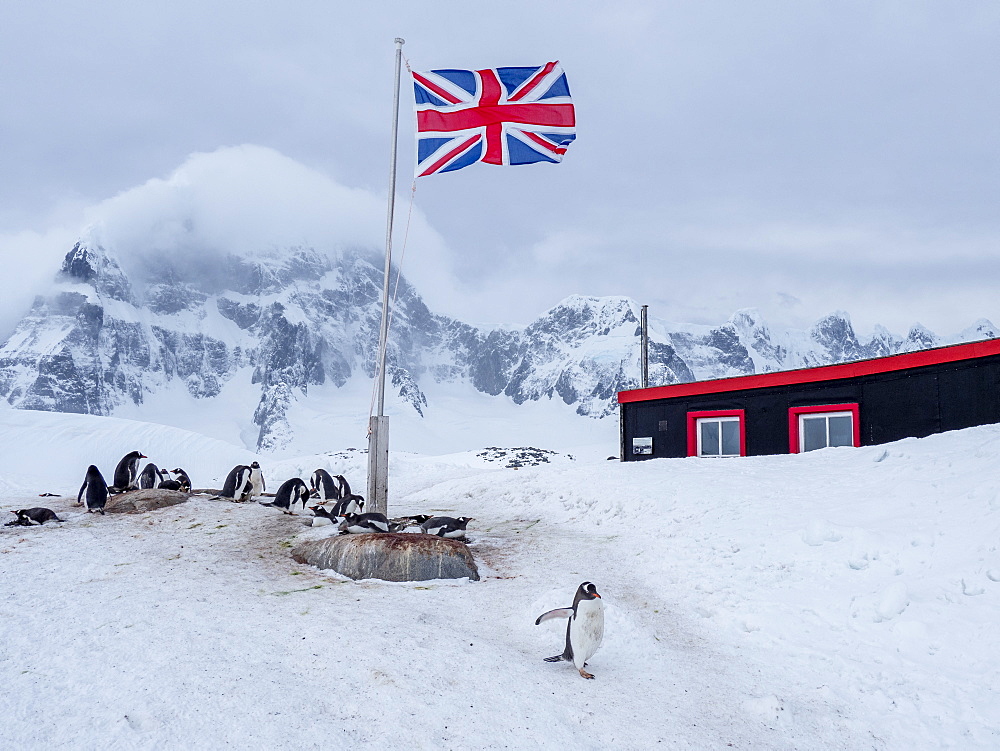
918 359
793 421
692 427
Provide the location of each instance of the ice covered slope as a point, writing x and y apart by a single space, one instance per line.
50 452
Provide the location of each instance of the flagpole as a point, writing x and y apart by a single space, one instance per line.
378 428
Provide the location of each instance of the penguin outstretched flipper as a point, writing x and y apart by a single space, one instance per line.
585 629
552 614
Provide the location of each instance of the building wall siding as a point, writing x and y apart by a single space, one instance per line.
907 403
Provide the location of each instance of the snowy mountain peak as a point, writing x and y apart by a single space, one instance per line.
835 334
266 327
920 337
93 265
981 329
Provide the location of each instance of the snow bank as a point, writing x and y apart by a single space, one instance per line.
846 598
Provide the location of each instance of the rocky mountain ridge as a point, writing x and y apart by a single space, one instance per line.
291 319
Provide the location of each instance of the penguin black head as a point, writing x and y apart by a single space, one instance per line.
254 465
586 591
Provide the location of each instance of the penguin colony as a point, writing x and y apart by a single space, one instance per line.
585 617
245 482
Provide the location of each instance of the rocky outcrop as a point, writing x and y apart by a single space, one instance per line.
397 557
141 501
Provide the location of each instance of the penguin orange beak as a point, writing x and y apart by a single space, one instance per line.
597 595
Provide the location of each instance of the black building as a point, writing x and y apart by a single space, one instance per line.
851 404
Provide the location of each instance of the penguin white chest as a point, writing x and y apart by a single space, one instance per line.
256 482
586 630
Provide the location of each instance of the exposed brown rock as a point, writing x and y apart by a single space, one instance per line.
139 501
393 557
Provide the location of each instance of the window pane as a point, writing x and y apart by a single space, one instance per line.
731 438
841 431
709 438
813 433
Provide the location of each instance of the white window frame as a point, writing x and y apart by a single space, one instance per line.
803 416
721 419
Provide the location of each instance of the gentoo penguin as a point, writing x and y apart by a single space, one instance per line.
345 486
37 515
169 485
323 486
400 523
446 526
585 629
321 516
150 476
291 492
237 486
94 491
352 504
127 471
257 486
182 477
360 524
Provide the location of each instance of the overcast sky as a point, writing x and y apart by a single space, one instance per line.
797 157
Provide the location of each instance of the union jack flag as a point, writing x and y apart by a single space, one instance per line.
497 116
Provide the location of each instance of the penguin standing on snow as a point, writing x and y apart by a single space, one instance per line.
257 486
446 526
237 486
585 629
360 524
28 516
127 471
150 477
291 492
94 491
323 486
343 485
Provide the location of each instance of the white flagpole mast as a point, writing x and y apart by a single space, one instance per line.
378 428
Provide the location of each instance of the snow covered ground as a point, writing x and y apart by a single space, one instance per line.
843 599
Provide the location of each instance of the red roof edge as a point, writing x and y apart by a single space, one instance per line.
919 359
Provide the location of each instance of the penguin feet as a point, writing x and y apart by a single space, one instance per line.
585 674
